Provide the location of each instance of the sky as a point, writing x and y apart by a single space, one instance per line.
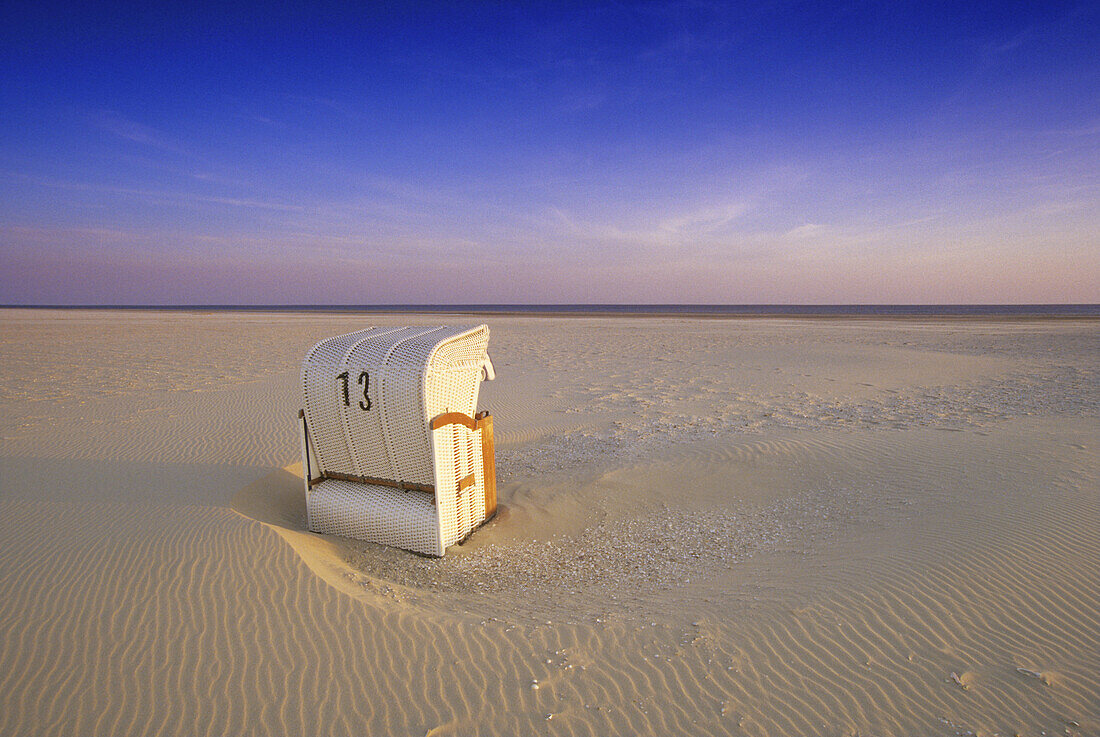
473 153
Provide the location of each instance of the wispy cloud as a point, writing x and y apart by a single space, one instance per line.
265 120
704 221
809 230
327 104
143 135
166 196
1089 129
40 236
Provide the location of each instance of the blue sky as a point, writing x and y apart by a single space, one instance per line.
609 152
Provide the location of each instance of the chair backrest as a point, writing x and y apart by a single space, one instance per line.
370 396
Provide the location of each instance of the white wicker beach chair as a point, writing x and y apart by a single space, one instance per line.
392 449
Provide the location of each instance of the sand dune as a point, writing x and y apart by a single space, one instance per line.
759 527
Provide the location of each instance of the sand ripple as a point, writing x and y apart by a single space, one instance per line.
708 527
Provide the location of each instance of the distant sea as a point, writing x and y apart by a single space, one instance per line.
1056 310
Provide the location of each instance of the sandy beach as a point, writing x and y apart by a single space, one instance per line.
771 526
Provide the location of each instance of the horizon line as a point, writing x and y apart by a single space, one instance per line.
1071 309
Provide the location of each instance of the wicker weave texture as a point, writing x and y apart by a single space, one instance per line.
403 519
324 399
457 455
369 400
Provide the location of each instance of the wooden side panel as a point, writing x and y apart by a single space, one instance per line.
485 424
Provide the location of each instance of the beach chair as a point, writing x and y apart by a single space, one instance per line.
392 448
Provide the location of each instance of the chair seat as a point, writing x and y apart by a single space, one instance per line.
381 514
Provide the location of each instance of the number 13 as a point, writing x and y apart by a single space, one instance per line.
364 380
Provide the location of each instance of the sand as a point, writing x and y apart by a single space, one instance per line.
732 526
